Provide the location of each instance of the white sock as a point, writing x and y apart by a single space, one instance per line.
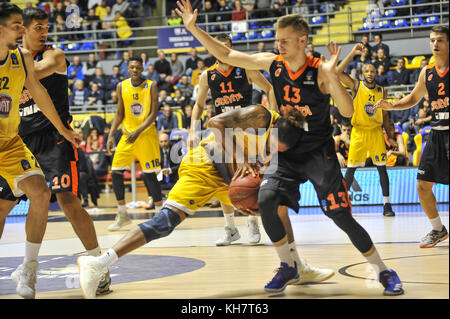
386 199
158 208
253 219
31 252
122 209
94 252
436 223
376 262
108 258
295 256
284 253
229 220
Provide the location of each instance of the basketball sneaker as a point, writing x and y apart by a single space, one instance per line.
284 276
310 274
229 237
91 273
254 236
103 286
391 283
25 278
122 219
387 210
433 238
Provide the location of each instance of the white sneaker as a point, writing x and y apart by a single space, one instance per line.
229 237
25 278
90 274
122 219
311 274
254 236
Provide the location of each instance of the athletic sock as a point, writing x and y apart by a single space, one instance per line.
229 221
386 199
295 256
284 253
108 258
158 209
94 252
122 209
437 223
31 252
376 262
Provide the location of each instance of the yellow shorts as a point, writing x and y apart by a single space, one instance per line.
198 182
145 149
364 144
17 163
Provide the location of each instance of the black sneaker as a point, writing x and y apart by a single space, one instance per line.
387 210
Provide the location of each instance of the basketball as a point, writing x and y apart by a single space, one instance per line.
243 192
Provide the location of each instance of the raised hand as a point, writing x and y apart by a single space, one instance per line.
185 11
357 49
329 66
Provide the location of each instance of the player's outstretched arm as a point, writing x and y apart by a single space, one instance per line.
197 110
53 60
410 100
44 101
329 82
259 79
258 61
352 84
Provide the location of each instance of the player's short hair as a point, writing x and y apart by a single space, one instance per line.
33 13
224 37
296 21
6 10
440 29
346 122
378 35
137 59
367 65
289 127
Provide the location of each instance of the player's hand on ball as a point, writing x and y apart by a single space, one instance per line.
244 169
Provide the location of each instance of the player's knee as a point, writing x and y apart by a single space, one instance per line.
266 199
423 187
161 225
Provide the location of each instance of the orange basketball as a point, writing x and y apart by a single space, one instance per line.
243 192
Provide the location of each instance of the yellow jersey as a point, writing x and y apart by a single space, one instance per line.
13 73
365 116
137 105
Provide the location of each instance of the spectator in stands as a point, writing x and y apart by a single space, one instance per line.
381 78
162 66
342 142
327 7
361 59
209 114
169 169
186 88
404 118
164 98
179 100
90 24
378 39
206 15
261 47
310 50
167 85
373 57
112 98
113 80
365 42
400 76
100 10
238 13
151 74
59 9
94 136
249 6
123 65
414 74
382 59
123 31
60 27
300 8
177 68
187 114
88 183
107 24
425 114
90 65
260 5
174 19
75 70
210 60
91 4
396 156
222 18
121 6
191 62
145 61
100 79
79 96
96 95
196 74
167 121
279 8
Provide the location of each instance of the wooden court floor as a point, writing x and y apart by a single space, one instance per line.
188 265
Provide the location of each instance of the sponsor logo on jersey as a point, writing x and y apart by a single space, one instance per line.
370 109
238 74
309 78
15 61
228 99
5 105
25 165
136 96
305 110
137 109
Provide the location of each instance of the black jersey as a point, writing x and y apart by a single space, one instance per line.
437 87
32 119
229 90
301 90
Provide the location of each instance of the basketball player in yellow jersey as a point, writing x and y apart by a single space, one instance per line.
17 165
136 110
367 133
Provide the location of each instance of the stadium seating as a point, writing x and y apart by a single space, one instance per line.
400 23
390 13
317 20
432 20
416 21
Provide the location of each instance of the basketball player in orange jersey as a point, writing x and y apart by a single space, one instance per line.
433 167
304 83
18 166
56 156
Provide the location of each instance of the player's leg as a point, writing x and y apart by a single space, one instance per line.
433 168
335 202
231 231
356 155
5 207
384 182
153 189
306 272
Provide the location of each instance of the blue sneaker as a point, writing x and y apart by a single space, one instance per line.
391 283
285 276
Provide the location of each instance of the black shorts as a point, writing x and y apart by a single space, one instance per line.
58 159
321 167
434 162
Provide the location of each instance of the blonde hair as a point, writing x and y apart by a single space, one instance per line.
296 21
